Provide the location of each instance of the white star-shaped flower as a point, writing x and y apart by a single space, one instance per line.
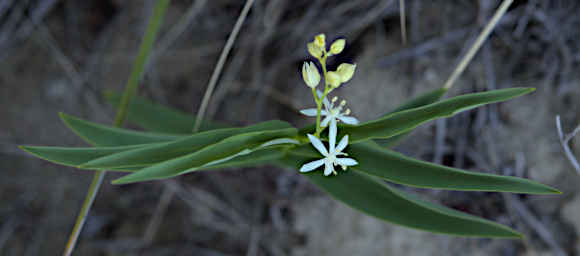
331 113
331 156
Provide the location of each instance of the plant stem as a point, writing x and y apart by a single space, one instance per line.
130 90
318 108
90 198
321 99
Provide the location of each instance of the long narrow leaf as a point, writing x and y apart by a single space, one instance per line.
144 156
419 101
397 168
403 121
74 157
255 158
231 146
158 118
103 135
377 199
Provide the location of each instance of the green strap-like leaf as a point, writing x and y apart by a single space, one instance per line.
394 167
255 158
145 156
397 168
74 156
104 136
403 121
224 149
419 101
158 118
377 199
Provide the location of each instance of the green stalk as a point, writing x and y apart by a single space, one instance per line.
319 101
130 90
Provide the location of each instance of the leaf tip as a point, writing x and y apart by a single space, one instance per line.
83 166
107 93
550 190
91 165
120 181
66 118
27 149
131 178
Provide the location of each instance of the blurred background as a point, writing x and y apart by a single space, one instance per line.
59 56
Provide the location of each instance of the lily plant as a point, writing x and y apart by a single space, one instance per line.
168 148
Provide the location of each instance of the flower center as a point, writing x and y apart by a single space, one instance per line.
332 157
335 111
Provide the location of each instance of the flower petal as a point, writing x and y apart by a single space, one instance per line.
332 135
326 103
348 119
328 169
317 144
312 165
342 144
308 112
346 161
326 120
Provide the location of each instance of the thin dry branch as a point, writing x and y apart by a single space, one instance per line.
162 207
564 140
477 44
529 218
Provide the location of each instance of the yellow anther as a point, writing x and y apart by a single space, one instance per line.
343 102
334 99
320 41
347 111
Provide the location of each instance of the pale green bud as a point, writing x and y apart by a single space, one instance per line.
314 50
337 46
346 71
310 74
333 79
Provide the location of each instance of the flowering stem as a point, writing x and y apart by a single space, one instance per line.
318 107
319 101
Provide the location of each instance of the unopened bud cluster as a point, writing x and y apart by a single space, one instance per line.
334 79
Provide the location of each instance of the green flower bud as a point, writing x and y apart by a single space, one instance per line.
333 79
346 71
337 46
310 74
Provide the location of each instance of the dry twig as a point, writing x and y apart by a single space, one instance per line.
564 140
